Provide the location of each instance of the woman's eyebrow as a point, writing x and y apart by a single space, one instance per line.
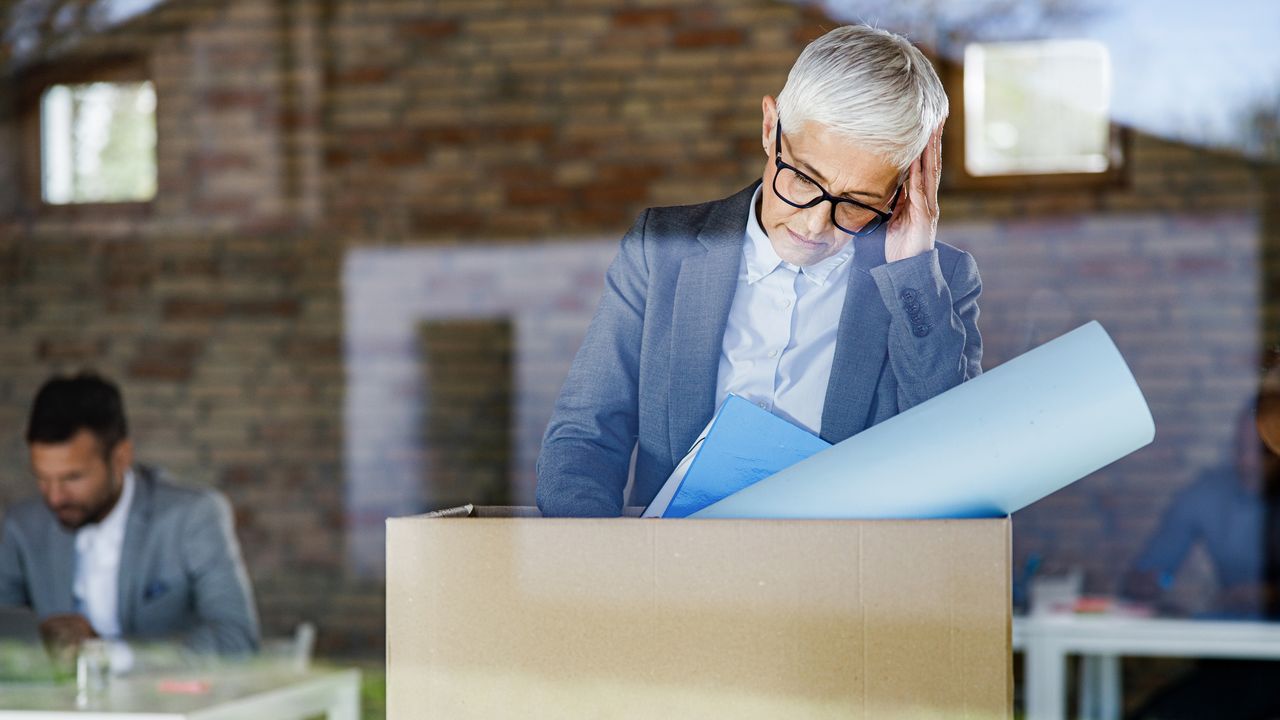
814 171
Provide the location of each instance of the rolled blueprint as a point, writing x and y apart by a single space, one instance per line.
985 448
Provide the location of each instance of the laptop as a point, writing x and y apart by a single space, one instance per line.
22 655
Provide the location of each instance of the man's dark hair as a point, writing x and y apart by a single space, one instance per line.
66 405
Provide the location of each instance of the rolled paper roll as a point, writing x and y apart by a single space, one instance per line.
985 448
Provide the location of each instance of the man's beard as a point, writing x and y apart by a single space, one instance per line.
96 514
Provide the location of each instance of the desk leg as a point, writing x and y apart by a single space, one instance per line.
346 705
1046 678
1110 692
1089 687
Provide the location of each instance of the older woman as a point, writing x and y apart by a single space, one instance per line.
819 293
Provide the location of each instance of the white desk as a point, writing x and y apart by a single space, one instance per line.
1102 641
241 694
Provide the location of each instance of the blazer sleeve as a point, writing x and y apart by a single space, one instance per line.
586 452
228 621
934 343
13 582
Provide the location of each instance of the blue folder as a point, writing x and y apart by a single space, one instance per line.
745 444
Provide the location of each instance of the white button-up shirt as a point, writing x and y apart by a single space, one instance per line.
780 340
97 577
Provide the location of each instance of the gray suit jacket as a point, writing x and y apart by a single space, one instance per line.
181 575
645 377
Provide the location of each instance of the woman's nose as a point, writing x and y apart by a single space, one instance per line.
818 220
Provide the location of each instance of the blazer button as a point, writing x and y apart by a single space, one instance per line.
909 296
921 330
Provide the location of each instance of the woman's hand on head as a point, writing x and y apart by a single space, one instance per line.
914 226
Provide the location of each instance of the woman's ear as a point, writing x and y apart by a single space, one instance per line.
769 124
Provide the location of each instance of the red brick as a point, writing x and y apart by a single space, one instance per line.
626 192
310 348
537 195
297 120
337 157
364 75
712 37
597 217
428 29
126 267
70 350
454 135
645 17
195 309
179 349
642 173
160 370
278 267
238 206
265 309
192 268
711 169
526 175
814 25
165 360
699 17
215 162
400 157
516 133
427 223
227 99
237 55
575 150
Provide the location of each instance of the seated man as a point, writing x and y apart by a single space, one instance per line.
818 293
1232 512
114 550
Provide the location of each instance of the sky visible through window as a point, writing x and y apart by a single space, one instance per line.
1186 70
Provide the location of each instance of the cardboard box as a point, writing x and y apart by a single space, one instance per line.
504 615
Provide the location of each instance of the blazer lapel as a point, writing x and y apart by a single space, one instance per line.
132 575
704 295
861 346
62 562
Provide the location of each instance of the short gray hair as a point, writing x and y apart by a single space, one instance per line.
868 85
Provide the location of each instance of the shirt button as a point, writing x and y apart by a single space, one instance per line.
773 353
786 303
764 406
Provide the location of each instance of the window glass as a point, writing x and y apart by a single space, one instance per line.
98 143
1036 107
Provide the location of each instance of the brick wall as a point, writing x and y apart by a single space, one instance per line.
304 143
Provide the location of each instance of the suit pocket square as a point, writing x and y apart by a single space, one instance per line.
154 590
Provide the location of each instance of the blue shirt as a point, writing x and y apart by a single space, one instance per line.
780 339
1217 511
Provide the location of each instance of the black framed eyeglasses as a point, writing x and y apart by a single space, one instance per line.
798 190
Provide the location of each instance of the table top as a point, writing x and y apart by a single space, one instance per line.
1166 637
170 695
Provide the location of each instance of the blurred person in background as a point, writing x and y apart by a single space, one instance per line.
1231 511
114 550
819 292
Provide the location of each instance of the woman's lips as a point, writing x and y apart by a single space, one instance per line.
804 241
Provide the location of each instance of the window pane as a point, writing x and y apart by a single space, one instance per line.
98 143
1036 107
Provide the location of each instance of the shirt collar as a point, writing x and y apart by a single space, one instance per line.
762 259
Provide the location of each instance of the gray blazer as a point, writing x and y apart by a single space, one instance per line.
181 574
645 377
